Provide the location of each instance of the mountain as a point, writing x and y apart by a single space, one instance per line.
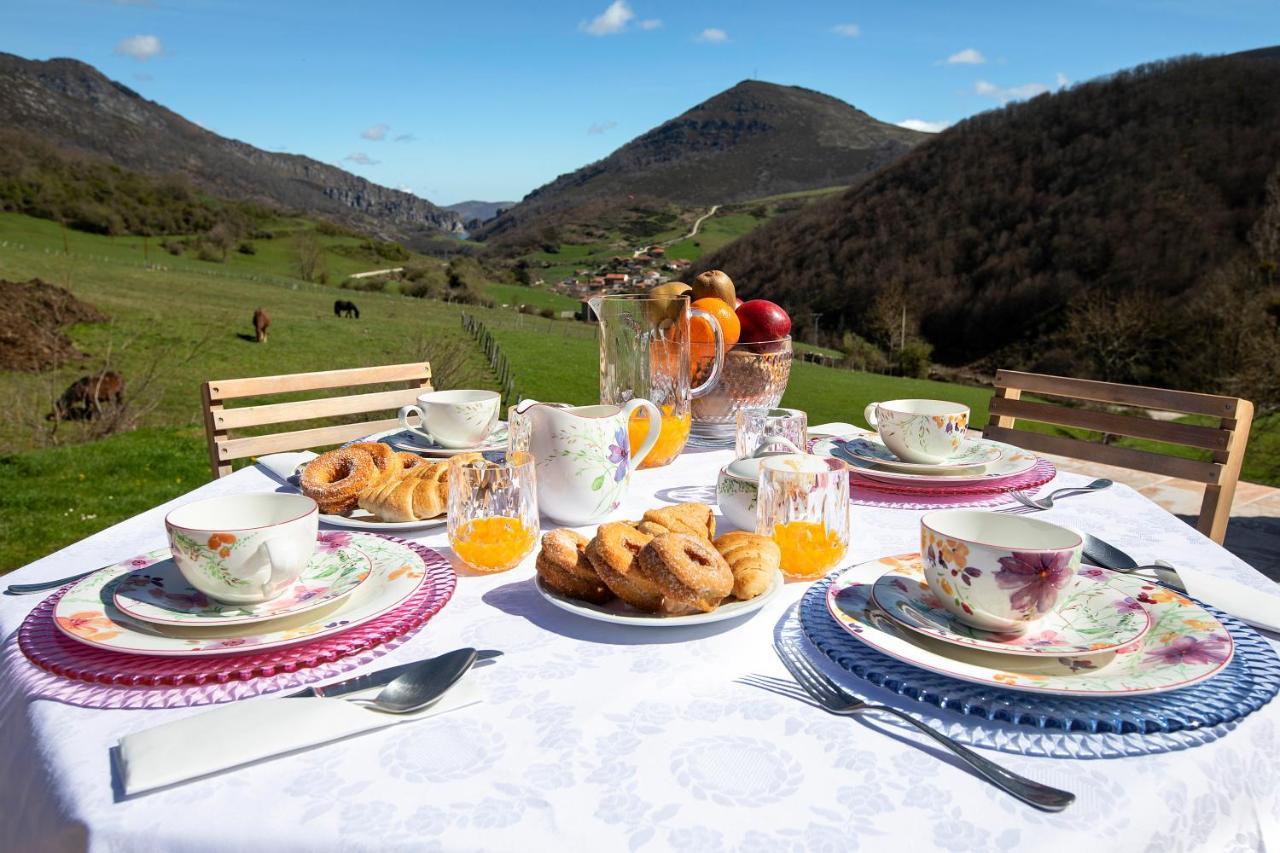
73 105
753 140
478 211
1127 228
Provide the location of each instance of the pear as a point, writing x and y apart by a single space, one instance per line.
714 283
669 306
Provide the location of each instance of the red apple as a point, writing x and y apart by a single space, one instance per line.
762 320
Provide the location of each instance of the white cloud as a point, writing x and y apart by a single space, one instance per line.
140 47
611 21
968 56
406 137
849 31
713 35
600 127
1061 81
377 133
361 159
924 126
650 23
1013 93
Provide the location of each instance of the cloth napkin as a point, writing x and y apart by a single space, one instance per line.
1243 602
245 732
283 465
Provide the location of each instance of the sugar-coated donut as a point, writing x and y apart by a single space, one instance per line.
688 571
388 462
612 554
334 480
563 566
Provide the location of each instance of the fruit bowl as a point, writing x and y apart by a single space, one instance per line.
754 375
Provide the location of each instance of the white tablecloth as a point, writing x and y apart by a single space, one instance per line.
596 737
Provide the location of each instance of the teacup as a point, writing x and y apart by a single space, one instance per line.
243 549
738 485
454 419
997 572
924 431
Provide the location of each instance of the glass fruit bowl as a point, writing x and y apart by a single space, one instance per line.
754 375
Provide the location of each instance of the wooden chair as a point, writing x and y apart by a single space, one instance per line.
219 420
1226 442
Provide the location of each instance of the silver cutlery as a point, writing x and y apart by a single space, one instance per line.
43 586
1108 556
389 674
826 694
1046 502
421 685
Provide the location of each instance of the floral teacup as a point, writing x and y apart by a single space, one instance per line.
921 431
997 572
243 549
738 485
454 419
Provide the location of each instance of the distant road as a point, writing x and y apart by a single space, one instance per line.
697 223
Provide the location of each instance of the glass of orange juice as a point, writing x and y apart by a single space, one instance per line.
803 504
493 511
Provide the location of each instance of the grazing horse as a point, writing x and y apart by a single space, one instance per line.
260 323
84 398
344 308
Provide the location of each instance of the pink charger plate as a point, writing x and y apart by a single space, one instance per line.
51 650
865 491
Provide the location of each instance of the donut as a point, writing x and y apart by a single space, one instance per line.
688 571
334 480
563 567
612 554
388 462
409 461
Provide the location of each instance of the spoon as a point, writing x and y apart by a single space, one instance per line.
1046 502
421 686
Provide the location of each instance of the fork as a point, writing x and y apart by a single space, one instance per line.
28 588
826 694
1046 502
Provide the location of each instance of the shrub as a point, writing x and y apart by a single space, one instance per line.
246 248
914 359
861 354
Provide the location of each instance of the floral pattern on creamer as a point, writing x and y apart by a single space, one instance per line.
597 456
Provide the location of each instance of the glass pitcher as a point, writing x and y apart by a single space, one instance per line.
645 346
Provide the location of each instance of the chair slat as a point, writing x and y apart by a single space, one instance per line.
1185 402
1204 437
240 448
1123 457
324 407
230 389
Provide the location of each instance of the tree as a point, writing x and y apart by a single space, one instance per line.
310 255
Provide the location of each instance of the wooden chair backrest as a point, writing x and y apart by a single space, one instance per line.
220 420
1225 442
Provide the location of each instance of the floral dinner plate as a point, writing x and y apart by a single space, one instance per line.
1091 617
86 611
974 455
1012 461
1185 644
156 592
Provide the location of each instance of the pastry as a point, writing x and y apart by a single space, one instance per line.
753 559
421 492
334 480
409 461
612 554
563 567
688 571
691 518
388 462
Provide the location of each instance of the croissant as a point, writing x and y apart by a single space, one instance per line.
691 518
417 493
753 559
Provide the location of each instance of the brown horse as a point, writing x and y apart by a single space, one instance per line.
260 323
83 398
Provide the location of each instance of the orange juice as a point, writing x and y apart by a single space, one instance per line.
808 548
671 440
493 544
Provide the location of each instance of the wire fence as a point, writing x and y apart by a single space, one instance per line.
498 361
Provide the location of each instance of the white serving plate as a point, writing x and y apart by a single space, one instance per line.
618 613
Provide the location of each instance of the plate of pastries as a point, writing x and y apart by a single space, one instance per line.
666 569
371 486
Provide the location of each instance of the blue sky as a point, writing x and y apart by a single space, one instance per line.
480 100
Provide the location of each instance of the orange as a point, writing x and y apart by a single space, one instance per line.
702 347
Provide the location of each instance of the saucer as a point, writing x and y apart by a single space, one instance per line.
1093 618
973 454
403 439
160 595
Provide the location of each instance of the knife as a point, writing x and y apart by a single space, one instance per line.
1247 604
381 677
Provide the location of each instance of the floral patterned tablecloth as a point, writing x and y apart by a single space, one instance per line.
599 737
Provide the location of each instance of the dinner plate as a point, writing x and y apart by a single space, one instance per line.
974 455
159 594
621 614
1092 617
85 612
360 519
403 439
1012 462
1185 645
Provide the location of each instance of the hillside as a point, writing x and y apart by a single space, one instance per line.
755 139
478 210
1116 229
71 104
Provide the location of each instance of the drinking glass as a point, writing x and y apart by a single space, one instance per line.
758 425
493 511
804 506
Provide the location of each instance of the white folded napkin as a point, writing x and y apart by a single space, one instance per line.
834 428
283 465
1243 602
237 734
